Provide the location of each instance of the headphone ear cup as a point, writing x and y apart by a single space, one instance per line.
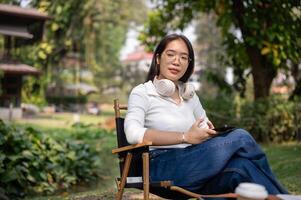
164 87
188 91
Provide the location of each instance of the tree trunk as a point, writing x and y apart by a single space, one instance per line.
263 72
297 90
296 73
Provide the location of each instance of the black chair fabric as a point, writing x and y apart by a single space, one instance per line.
136 167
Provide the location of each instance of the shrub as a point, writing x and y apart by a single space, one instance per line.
269 120
32 162
65 100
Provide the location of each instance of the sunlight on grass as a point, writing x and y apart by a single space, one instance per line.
65 120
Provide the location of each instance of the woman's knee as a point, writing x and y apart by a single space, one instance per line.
241 131
242 135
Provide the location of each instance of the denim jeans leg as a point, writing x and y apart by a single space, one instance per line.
195 165
239 170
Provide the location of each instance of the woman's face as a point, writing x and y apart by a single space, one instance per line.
174 60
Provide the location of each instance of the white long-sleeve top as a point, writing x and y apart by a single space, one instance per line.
148 109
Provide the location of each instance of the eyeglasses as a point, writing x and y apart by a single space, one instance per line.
171 56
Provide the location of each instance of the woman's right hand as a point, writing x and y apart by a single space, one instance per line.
196 135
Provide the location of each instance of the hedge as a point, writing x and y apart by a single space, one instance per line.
269 120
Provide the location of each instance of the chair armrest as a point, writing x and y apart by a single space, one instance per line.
131 147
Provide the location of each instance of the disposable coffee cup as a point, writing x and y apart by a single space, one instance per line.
251 191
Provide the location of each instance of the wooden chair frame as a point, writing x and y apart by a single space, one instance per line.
128 152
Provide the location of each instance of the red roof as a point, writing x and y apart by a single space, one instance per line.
18 69
138 56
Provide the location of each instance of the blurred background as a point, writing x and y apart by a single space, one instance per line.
63 62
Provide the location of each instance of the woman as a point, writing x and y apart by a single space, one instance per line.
166 111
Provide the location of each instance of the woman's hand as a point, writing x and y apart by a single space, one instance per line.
209 123
196 135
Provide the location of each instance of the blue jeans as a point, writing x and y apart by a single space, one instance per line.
215 166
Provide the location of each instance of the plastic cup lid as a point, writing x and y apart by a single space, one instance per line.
251 190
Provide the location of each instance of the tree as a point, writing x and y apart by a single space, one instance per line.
210 54
257 34
93 29
108 23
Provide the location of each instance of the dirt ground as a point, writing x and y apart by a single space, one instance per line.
127 195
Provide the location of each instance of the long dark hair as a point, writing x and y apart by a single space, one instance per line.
155 68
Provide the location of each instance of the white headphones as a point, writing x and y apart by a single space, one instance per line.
166 88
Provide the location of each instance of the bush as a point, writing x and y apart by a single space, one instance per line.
65 100
32 162
68 103
220 110
269 120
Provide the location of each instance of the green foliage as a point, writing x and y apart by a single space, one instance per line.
32 162
150 35
271 119
210 51
93 30
32 91
268 120
259 35
13 2
66 100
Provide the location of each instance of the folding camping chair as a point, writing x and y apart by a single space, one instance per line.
134 168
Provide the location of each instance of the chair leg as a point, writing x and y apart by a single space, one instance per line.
124 175
200 196
145 158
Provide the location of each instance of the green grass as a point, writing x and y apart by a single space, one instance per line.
63 120
285 161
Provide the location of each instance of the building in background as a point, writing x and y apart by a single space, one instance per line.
138 60
19 26
135 67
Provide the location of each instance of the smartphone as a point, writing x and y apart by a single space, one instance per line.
224 129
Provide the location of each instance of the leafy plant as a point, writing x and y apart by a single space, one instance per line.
272 119
32 162
260 36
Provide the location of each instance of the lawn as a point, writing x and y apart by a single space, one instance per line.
65 120
285 161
